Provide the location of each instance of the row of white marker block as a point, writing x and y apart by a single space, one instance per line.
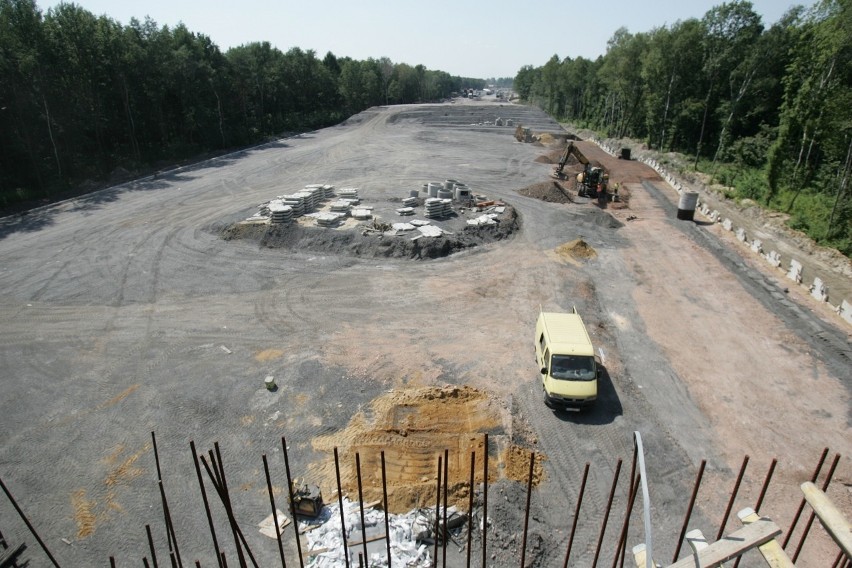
818 289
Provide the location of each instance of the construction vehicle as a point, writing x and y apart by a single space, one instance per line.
570 149
592 181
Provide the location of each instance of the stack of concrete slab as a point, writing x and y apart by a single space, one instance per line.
410 201
405 211
437 208
340 206
296 202
361 214
309 199
279 212
328 219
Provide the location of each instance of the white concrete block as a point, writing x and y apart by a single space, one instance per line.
757 246
795 272
845 311
773 258
819 290
728 224
741 235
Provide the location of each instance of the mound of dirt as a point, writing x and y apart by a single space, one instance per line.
550 191
360 242
578 249
544 160
413 427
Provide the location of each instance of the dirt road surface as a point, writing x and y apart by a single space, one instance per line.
125 313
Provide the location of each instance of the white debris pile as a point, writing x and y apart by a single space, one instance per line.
486 219
430 231
325 542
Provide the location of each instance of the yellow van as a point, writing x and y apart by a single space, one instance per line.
566 360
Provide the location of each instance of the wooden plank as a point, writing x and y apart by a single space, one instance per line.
732 545
640 556
830 516
772 551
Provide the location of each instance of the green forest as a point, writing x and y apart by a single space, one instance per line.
82 96
764 111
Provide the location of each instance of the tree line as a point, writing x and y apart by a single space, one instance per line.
82 95
767 112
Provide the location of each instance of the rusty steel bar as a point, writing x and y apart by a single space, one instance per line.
197 564
385 498
445 534
216 479
224 560
837 561
292 504
169 527
206 502
576 514
733 498
437 510
166 517
763 490
470 506
27 522
606 514
813 514
527 510
485 501
145 562
361 506
274 511
112 561
801 508
340 505
235 527
689 508
151 546
765 485
226 499
173 559
622 537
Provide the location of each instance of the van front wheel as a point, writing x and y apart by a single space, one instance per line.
547 402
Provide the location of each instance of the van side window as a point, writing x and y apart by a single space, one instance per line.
541 341
547 360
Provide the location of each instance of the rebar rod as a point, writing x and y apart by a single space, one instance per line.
733 498
576 514
386 506
444 533
801 508
527 509
485 500
361 506
813 514
470 506
437 509
340 505
689 509
151 546
225 496
606 514
206 502
27 522
235 527
292 503
274 511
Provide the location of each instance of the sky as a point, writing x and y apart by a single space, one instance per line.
468 38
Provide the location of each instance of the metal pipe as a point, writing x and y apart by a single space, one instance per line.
437 509
385 497
206 502
292 504
622 537
485 500
444 533
470 506
606 514
688 515
340 505
274 511
151 546
361 506
801 508
813 514
576 514
527 509
732 499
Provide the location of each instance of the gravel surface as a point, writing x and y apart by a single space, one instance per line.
126 312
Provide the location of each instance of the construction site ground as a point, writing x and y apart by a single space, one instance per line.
142 309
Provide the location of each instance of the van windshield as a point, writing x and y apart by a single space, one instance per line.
572 367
